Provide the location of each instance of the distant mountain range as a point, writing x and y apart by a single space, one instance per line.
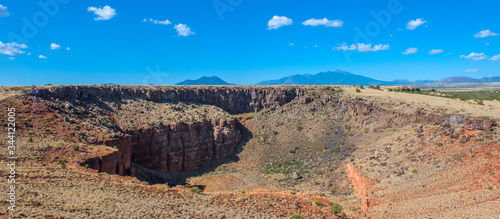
339 77
454 80
214 80
324 78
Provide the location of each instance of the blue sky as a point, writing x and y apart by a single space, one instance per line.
244 41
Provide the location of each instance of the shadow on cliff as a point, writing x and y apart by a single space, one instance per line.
173 179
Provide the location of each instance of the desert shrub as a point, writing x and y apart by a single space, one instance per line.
336 209
196 190
86 166
295 216
317 203
63 164
347 127
292 151
490 187
30 139
299 126
76 148
361 87
358 90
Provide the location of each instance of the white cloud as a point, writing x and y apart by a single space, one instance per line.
410 51
485 33
324 21
471 70
436 51
475 56
12 58
495 58
361 47
165 22
12 49
278 21
42 57
54 46
104 13
3 11
315 46
291 44
183 30
487 44
411 25
67 48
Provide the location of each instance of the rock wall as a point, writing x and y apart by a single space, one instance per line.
174 148
234 99
363 113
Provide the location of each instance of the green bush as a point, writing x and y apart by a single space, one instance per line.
336 209
358 90
76 148
295 216
196 190
63 164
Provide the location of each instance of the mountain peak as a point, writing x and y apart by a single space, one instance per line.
205 80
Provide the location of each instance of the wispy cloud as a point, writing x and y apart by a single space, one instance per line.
12 49
411 25
67 48
361 47
104 13
471 70
54 46
183 30
324 21
475 56
3 11
42 57
485 33
278 21
495 58
436 51
165 22
410 51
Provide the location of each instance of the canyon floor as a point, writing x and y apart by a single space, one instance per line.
249 152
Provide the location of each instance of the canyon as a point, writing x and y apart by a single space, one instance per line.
271 148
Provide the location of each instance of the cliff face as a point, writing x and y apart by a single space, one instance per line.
173 148
242 99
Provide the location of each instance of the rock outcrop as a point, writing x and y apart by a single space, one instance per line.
241 99
174 148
